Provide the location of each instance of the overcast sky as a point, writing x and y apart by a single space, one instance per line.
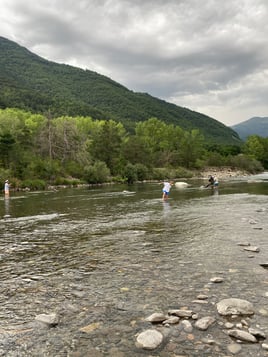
207 55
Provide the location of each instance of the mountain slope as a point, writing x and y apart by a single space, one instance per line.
30 82
252 126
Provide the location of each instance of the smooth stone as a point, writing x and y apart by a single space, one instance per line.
156 317
217 279
265 346
171 320
252 249
234 306
200 302
181 184
48 319
264 265
257 332
204 322
242 335
202 297
181 313
234 348
263 312
149 339
187 326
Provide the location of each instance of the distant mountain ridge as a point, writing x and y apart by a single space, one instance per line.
30 82
253 126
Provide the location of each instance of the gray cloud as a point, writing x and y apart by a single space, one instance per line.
208 56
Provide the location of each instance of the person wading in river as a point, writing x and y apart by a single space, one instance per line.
6 188
166 189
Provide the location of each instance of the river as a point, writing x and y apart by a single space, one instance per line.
105 258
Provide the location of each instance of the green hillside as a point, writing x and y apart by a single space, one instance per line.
30 82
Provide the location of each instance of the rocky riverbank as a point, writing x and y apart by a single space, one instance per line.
222 173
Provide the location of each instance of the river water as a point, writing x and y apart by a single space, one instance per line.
105 258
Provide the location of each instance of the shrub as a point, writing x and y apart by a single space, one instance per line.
130 173
245 162
97 173
142 172
34 184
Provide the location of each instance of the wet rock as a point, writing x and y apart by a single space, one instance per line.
156 317
252 249
204 322
181 313
208 341
149 339
217 279
234 306
265 346
91 327
234 348
202 297
257 332
48 319
263 312
242 335
187 326
171 320
264 265
200 302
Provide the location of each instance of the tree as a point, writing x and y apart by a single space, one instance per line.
106 144
192 146
254 147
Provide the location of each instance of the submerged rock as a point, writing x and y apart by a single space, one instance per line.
234 306
156 317
204 322
48 319
252 249
242 335
149 339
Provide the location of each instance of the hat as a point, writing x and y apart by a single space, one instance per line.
6 181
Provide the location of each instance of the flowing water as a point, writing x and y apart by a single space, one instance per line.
105 258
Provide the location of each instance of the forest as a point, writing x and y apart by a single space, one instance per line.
35 84
38 150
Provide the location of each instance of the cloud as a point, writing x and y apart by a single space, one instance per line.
208 56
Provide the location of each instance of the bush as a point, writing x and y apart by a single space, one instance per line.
130 173
142 172
66 181
214 159
97 173
245 162
181 172
35 184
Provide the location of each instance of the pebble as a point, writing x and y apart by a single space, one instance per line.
204 322
48 319
217 279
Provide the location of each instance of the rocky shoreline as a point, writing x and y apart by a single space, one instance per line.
222 173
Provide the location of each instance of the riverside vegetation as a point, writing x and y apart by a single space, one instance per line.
37 150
